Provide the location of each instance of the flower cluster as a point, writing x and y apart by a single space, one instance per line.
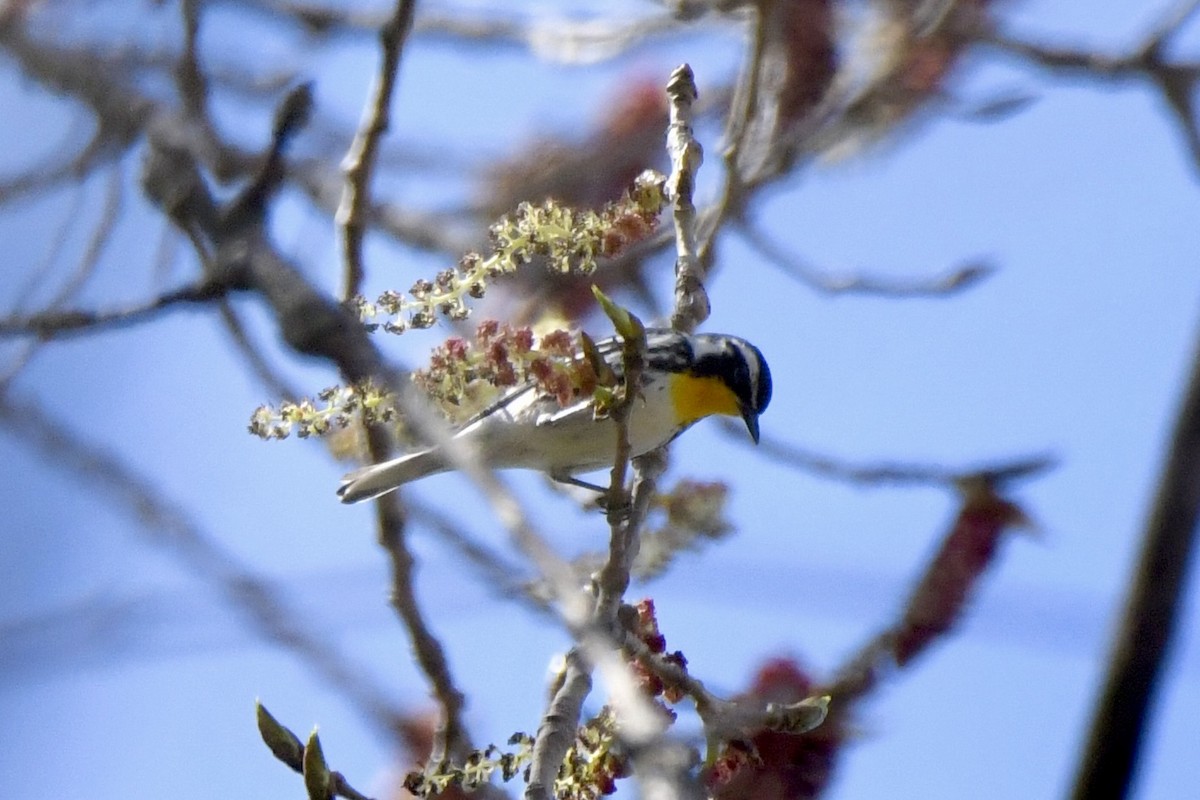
589 770
334 408
644 626
464 375
570 241
594 762
476 771
462 378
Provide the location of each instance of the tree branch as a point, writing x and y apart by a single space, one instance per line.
167 525
1176 81
944 285
1120 719
691 300
891 473
359 164
54 324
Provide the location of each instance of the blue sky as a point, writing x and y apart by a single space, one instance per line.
1078 345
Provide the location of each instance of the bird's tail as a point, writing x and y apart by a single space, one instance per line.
370 482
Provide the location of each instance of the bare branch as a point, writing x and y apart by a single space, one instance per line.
1159 584
565 41
190 79
944 285
556 731
235 249
166 524
691 299
359 163
52 324
896 473
101 236
502 575
57 169
451 737
1176 81
257 364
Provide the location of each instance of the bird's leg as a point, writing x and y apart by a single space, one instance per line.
571 480
602 502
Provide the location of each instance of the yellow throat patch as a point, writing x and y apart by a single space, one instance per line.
694 398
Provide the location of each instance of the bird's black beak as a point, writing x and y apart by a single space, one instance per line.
751 419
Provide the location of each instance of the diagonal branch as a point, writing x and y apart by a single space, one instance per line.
167 525
946 284
97 243
892 473
1176 81
352 214
54 324
1159 584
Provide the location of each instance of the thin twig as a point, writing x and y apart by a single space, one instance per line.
872 475
167 525
359 163
98 242
101 236
451 738
663 767
53 324
500 573
944 285
60 167
257 363
1176 81
739 118
40 274
573 606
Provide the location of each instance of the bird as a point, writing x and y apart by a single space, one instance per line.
685 378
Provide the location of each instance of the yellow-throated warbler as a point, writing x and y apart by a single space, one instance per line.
685 378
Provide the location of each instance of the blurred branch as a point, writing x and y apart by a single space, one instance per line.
167 525
101 235
53 324
943 285
1147 61
190 80
500 573
940 596
895 473
359 163
1156 593
100 238
311 322
423 230
255 361
556 731
41 273
235 251
60 168
451 737
98 242
562 40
